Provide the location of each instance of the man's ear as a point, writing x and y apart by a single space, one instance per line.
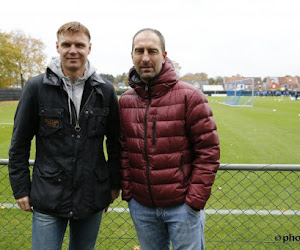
164 56
57 46
90 48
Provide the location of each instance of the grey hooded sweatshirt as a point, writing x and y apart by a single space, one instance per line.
75 89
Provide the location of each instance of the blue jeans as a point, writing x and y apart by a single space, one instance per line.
48 232
157 227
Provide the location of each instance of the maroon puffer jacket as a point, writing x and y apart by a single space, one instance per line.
170 146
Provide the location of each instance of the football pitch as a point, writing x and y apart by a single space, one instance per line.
268 133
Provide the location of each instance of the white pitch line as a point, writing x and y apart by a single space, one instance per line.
207 211
252 211
6 123
6 205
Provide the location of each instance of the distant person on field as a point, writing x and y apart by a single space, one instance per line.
170 149
69 109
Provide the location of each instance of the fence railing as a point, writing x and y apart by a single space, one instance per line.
252 206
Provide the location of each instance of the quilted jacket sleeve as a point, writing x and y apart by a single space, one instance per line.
202 132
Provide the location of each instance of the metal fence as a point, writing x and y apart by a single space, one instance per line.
251 207
10 94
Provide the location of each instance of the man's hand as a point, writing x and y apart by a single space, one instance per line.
24 204
115 193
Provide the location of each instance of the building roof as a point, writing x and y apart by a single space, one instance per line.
212 87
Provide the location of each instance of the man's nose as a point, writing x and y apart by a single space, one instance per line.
73 49
146 57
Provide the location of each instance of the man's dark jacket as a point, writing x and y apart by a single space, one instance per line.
71 176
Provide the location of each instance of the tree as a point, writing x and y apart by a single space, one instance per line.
177 67
32 60
21 57
121 78
219 80
9 54
197 77
108 77
201 77
211 81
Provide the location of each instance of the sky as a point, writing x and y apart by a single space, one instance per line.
256 38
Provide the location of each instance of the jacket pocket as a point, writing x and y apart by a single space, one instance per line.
101 174
102 190
182 170
47 189
50 121
97 121
153 131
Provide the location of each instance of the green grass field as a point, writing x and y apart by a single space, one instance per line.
267 133
247 135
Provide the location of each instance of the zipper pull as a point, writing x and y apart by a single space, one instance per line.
77 127
146 88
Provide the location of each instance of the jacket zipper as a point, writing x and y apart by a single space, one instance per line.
145 146
77 129
77 126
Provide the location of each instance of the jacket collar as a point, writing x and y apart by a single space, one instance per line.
96 81
51 78
159 86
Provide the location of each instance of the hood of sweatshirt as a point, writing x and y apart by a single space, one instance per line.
55 66
73 89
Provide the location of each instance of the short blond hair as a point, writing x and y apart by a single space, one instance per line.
73 27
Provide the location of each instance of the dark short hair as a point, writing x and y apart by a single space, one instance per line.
73 27
160 36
